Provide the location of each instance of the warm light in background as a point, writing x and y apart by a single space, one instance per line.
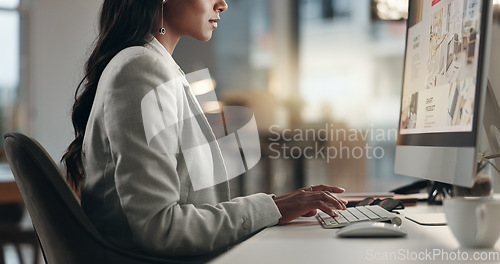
203 86
391 9
212 107
496 2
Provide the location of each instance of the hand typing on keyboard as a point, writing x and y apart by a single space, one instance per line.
306 201
357 214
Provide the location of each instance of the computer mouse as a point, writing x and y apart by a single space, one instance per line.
371 229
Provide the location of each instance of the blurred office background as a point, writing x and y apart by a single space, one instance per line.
299 64
302 65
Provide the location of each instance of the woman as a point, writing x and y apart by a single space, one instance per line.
140 197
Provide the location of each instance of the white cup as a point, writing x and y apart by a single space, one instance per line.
473 220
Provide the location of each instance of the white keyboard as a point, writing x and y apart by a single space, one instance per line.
357 214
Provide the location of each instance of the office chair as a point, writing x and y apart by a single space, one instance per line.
15 236
64 232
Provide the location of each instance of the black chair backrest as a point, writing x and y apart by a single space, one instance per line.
65 233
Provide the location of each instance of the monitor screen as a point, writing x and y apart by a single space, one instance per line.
442 73
444 86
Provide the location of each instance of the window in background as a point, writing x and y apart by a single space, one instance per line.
351 67
9 65
244 45
243 56
9 4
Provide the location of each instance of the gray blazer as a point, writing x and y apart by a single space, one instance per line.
138 190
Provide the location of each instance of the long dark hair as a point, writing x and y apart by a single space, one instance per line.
122 24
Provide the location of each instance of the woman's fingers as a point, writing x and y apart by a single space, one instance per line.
331 189
327 188
325 208
306 201
345 202
311 188
325 197
310 213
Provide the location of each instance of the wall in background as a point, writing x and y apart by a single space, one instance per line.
61 33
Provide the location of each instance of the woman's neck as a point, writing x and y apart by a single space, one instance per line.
169 40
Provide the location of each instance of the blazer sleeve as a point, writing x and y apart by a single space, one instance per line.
147 181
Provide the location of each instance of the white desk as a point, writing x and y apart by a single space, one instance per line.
305 241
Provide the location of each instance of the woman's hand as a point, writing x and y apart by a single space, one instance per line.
306 201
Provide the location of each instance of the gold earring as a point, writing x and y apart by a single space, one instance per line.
162 29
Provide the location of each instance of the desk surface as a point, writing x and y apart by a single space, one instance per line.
305 241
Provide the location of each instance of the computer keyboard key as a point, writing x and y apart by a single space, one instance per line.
357 214
368 213
340 219
380 211
348 215
323 215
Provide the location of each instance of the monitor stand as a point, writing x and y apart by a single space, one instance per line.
438 191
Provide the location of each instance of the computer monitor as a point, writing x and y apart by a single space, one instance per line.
445 81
